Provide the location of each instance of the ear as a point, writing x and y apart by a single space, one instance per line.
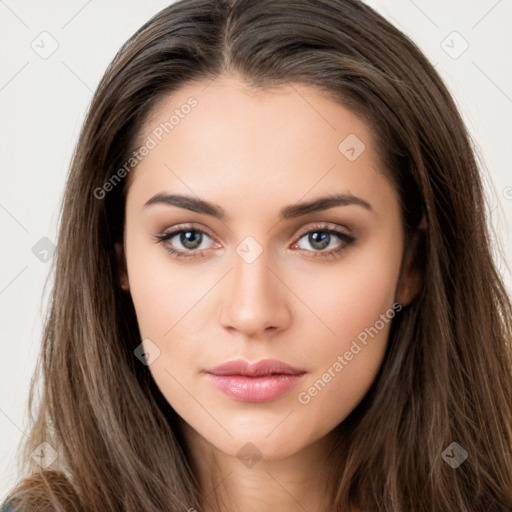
411 276
121 265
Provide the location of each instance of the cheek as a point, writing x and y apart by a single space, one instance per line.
357 306
350 297
161 291
345 366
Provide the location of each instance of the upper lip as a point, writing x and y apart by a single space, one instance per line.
253 369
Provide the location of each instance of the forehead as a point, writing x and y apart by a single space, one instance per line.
225 137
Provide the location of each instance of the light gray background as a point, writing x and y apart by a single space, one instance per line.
43 102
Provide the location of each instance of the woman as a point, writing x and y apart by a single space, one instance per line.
274 284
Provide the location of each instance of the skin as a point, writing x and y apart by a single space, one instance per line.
253 152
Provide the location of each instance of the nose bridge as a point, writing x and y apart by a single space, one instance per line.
254 299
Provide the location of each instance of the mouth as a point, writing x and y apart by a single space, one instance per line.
256 382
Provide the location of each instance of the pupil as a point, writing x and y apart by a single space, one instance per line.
190 239
319 239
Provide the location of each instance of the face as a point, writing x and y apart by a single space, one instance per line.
286 244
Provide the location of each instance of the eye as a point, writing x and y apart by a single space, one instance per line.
188 241
324 241
184 242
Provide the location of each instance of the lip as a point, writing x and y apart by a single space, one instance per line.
260 381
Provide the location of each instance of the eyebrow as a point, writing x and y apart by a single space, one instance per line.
288 212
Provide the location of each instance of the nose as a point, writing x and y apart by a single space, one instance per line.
255 302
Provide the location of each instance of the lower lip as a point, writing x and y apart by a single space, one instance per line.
255 389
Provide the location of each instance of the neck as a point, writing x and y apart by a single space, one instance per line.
297 482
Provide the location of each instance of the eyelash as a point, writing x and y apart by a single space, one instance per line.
346 239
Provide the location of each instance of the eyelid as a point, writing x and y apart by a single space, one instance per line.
178 228
325 226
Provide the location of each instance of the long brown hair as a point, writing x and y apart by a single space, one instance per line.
447 372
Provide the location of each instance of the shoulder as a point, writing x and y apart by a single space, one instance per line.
46 491
7 507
